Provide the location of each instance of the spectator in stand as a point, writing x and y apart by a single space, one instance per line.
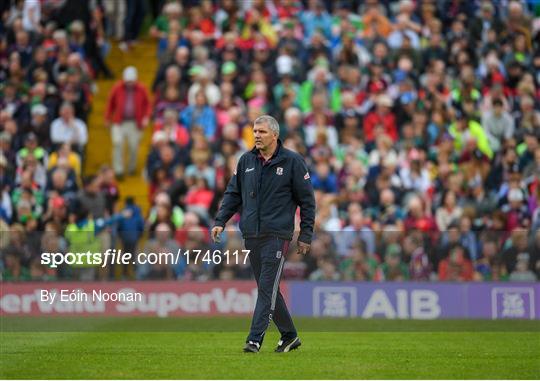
487 264
522 273
108 187
498 124
175 132
13 269
171 93
295 268
323 179
130 231
448 212
534 249
320 81
46 95
172 13
326 270
516 210
200 195
460 169
32 148
356 231
128 112
40 125
392 269
64 154
62 182
69 129
200 114
135 11
56 217
419 216
456 267
161 243
380 121
464 130
419 266
358 265
516 245
202 81
85 233
161 212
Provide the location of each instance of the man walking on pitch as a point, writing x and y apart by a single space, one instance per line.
269 183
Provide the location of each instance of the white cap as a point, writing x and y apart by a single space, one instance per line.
515 195
130 74
172 8
284 65
384 100
390 159
159 137
39 109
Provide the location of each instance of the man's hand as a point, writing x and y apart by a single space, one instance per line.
303 248
216 231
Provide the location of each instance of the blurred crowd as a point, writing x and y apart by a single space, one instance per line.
419 121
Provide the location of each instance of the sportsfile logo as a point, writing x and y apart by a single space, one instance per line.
512 303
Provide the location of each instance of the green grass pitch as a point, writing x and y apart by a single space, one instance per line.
199 348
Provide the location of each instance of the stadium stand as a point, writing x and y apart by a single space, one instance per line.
418 119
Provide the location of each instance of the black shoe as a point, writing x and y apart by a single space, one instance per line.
288 345
252 347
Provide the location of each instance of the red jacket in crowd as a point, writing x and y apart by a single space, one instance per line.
115 104
387 121
456 271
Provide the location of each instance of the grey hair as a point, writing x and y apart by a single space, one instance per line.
269 121
292 111
66 104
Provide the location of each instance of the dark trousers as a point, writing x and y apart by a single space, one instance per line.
135 12
155 6
267 256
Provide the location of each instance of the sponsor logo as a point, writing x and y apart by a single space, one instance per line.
512 303
250 169
334 301
401 304
278 254
306 176
415 304
279 171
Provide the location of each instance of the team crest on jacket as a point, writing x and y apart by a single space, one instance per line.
279 171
